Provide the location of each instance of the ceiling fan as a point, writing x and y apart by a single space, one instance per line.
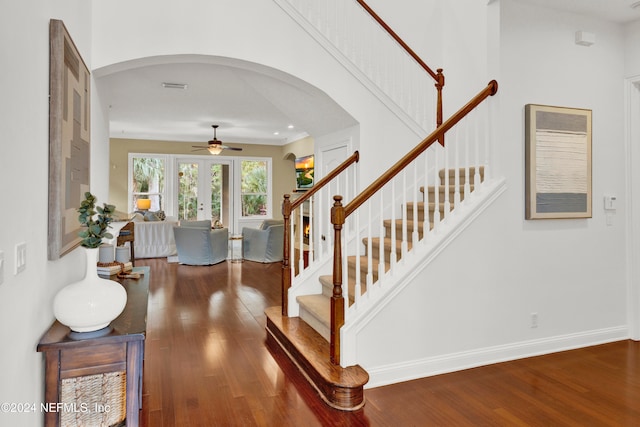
215 146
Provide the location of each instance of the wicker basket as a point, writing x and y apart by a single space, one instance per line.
94 400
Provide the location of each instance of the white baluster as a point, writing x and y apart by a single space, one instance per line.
416 196
436 191
467 184
476 176
301 238
381 257
358 245
447 202
426 225
404 246
393 258
369 277
456 168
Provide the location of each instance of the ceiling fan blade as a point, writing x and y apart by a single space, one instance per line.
200 146
233 148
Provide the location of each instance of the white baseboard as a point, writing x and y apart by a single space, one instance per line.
406 371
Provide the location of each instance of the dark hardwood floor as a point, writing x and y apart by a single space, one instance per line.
206 364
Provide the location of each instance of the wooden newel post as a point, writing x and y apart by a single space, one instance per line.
439 116
286 265
337 300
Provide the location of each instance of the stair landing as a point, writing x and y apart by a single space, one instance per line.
341 388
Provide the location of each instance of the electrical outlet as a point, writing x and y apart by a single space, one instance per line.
534 320
21 258
1 267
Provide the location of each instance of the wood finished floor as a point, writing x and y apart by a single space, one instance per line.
206 364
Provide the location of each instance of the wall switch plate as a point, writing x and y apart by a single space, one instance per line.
610 203
21 258
1 267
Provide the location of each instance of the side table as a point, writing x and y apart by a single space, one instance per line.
106 367
236 248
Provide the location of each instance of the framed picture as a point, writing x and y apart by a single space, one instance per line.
304 172
69 137
557 162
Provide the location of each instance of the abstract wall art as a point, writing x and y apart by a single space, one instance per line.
69 137
557 162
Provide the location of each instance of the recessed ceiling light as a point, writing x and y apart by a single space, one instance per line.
291 126
276 133
174 85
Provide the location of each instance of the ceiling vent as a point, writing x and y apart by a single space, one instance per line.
174 85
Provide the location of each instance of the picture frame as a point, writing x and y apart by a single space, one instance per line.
557 162
69 139
304 172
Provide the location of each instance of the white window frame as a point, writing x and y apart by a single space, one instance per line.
167 202
269 213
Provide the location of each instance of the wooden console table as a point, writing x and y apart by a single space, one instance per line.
69 356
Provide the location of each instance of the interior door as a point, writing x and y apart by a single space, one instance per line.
205 190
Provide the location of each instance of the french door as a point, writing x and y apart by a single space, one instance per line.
205 190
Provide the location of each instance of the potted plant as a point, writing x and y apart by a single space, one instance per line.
94 229
91 303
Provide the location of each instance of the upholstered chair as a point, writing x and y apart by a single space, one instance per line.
198 244
264 244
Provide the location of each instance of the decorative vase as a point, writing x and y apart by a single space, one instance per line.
91 303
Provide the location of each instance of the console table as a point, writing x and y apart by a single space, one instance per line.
109 363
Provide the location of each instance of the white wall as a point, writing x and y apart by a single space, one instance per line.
147 30
26 299
632 50
473 305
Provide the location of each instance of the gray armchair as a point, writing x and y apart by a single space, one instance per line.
264 244
198 244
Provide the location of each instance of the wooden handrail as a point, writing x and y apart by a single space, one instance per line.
397 38
490 90
339 213
287 207
438 76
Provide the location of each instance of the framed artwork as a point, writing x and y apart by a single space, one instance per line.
557 162
69 138
304 172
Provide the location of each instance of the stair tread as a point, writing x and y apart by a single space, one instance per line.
318 305
341 388
327 288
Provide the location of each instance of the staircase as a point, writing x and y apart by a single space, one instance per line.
315 309
371 257
305 340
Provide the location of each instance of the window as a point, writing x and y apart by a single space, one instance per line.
254 187
148 181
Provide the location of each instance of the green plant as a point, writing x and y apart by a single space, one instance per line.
94 230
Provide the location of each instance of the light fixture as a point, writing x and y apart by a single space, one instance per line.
290 127
215 149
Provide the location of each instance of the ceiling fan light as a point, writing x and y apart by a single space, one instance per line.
215 149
